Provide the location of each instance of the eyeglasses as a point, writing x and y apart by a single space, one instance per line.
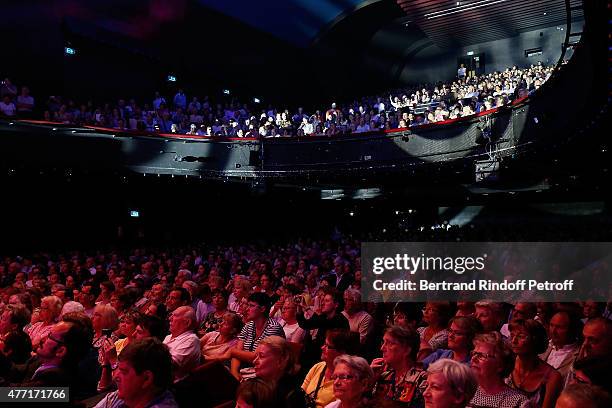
342 377
456 332
50 336
477 355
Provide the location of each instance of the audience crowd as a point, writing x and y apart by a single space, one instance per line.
283 326
193 115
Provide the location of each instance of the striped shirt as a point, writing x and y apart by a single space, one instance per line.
249 336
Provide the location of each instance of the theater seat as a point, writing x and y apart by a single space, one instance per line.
296 349
208 385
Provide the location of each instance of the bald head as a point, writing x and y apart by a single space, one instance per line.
183 319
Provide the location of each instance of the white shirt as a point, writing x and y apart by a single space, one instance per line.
361 322
308 128
334 404
556 356
293 332
185 352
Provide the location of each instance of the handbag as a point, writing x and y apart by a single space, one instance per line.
311 399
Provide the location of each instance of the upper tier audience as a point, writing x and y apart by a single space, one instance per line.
407 107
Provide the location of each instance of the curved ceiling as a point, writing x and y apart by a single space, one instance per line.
452 23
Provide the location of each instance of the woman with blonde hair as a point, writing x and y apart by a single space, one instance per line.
104 321
49 312
276 363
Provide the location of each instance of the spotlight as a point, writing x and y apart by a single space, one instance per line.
69 51
171 78
226 92
256 100
351 213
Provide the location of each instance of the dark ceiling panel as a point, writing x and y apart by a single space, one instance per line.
462 23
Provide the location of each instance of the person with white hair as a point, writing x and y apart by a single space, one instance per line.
352 379
71 306
450 384
182 342
359 320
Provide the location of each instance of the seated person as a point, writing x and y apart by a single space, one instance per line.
276 363
14 355
434 336
318 383
50 308
328 317
492 361
352 381
460 341
13 318
217 343
293 332
595 371
584 396
490 314
60 353
531 376
182 342
150 326
143 376
259 326
396 374
255 393
564 331
450 384
359 320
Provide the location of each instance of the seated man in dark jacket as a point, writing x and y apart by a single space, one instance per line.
327 318
60 354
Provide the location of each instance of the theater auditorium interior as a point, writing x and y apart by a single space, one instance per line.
195 193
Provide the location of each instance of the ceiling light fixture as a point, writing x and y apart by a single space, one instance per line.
459 9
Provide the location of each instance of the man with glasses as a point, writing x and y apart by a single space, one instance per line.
59 353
